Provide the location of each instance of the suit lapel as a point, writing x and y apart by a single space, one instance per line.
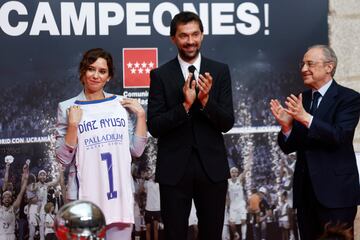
176 74
204 66
307 100
327 101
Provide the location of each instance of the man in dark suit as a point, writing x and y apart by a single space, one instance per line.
188 117
319 125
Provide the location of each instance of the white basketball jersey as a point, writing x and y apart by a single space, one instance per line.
41 193
152 195
236 192
283 211
103 158
7 220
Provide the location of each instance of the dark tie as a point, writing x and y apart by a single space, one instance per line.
192 69
314 103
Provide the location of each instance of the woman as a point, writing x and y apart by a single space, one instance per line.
95 133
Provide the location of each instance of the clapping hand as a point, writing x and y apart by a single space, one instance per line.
189 92
281 115
204 84
296 109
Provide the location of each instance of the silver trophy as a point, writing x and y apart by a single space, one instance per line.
80 220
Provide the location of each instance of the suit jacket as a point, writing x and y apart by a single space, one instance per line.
179 133
327 149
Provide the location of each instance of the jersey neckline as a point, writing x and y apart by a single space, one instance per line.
95 101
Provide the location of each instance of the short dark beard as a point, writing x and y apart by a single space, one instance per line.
186 58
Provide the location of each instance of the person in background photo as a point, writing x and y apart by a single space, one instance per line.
9 208
49 221
319 125
152 207
99 132
7 186
237 208
336 232
225 235
283 213
41 188
264 214
32 209
189 107
138 182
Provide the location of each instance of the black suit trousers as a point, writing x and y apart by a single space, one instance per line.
313 216
209 199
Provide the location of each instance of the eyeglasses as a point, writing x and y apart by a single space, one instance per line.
311 64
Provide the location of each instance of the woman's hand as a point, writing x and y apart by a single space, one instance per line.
74 115
133 106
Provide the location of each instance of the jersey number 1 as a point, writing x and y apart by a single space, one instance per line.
107 157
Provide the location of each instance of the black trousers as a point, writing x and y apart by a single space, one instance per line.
312 216
209 199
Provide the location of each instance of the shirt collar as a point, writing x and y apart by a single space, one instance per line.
184 66
324 88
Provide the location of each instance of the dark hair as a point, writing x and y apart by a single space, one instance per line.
32 178
91 56
339 231
48 207
184 18
254 190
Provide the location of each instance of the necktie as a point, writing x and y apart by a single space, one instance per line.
192 69
314 103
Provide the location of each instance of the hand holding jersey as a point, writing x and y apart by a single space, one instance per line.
74 114
134 106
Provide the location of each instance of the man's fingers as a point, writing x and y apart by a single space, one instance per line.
193 84
291 100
